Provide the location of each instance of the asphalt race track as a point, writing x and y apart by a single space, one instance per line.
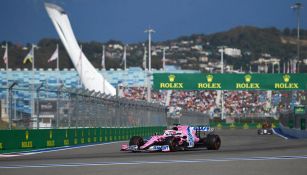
242 152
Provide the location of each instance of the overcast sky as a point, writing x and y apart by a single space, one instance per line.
26 21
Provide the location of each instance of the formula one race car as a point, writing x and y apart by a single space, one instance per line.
179 138
266 129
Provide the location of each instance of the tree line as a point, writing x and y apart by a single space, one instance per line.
251 40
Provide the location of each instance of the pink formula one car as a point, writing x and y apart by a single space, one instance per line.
176 139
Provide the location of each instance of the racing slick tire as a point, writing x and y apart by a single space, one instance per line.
270 131
136 140
260 132
172 143
213 142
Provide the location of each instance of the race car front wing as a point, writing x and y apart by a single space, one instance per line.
153 148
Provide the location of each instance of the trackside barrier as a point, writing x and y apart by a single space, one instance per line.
16 140
293 133
237 125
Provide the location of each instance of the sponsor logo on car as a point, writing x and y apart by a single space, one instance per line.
163 148
190 137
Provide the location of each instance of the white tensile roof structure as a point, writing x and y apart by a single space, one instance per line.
91 79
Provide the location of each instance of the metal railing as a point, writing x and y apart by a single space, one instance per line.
60 107
65 108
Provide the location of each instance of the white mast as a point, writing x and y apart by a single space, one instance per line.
163 59
33 88
144 57
58 64
297 6
58 85
149 31
222 71
125 57
103 58
103 66
144 66
80 62
6 61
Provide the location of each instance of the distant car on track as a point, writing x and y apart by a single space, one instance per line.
266 129
179 138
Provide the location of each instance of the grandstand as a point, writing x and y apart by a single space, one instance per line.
133 87
132 77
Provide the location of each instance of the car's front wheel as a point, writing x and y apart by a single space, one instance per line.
136 140
172 143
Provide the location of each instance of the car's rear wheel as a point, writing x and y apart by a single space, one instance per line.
213 142
136 140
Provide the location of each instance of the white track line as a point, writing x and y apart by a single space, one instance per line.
9 155
155 162
39 151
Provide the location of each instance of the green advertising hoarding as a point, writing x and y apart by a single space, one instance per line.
20 140
202 81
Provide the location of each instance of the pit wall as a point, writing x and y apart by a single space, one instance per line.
23 140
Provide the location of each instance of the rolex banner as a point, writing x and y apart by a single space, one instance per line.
201 81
